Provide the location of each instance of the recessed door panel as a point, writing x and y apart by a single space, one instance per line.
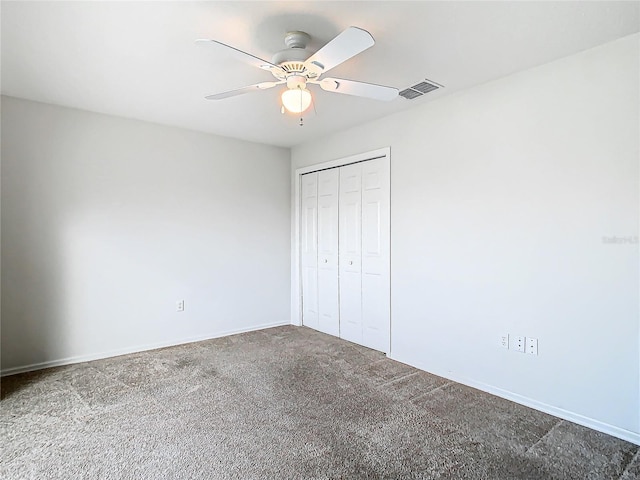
375 328
371 178
351 306
310 297
350 228
371 233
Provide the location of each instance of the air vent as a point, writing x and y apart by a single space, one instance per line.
410 94
419 89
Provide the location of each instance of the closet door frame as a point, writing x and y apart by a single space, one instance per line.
296 263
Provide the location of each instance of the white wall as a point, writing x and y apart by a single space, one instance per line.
106 222
501 196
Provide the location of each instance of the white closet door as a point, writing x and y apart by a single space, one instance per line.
376 310
328 309
309 240
350 253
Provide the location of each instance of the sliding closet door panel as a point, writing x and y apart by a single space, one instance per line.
375 255
309 241
351 253
328 306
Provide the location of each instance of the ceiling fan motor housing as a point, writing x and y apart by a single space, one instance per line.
290 55
297 39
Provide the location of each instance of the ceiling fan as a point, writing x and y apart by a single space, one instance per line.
298 68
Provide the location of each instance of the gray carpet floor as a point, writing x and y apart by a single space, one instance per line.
282 403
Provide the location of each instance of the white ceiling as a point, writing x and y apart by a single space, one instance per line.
139 59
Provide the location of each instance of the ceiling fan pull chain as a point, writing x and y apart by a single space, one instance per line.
301 109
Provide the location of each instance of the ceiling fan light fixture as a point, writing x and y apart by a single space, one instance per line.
296 100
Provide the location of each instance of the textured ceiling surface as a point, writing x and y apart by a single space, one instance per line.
139 59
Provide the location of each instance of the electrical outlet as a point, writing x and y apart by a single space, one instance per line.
519 344
532 346
504 340
180 306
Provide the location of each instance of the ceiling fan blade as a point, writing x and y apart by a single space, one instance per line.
347 44
359 89
244 56
243 90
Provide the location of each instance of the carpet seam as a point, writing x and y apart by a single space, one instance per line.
429 392
75 392
543 436
397 379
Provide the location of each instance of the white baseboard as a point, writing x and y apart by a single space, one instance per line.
133 349
592 423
